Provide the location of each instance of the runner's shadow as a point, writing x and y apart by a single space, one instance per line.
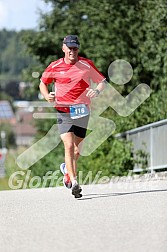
104 195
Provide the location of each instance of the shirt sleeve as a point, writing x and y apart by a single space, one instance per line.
95 75
47 76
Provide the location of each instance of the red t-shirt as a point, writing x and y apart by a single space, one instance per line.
71 81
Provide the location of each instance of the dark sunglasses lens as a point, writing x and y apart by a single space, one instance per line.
73 48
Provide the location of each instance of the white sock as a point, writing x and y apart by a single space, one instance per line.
74 182
65 170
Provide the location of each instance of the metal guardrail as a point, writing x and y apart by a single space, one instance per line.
3 153
154 138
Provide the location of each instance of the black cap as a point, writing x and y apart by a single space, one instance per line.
71 41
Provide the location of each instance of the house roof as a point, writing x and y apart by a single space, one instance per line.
6 111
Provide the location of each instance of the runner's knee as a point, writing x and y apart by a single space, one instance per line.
69 146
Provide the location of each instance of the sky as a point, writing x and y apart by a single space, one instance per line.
21 14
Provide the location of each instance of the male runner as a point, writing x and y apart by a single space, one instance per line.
72 76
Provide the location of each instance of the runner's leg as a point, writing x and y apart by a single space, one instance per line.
68 140
77 141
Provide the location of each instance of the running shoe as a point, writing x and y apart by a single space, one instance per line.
66 179
76 191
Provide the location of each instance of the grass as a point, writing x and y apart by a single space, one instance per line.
4 184
10 167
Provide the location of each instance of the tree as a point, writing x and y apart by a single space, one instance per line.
13 60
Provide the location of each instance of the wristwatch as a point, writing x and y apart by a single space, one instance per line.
97 91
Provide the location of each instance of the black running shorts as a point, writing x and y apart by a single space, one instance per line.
66 124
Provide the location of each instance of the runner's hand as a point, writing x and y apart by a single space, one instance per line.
50 97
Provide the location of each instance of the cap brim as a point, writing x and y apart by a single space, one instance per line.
72 45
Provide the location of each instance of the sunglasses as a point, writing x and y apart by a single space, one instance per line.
73 48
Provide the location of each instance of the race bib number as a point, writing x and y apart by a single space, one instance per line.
78 111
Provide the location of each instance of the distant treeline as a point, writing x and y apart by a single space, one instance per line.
13 60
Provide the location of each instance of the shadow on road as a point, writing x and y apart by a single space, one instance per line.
102 195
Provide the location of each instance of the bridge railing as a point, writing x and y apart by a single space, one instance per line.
151 138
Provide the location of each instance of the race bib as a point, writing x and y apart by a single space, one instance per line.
78 111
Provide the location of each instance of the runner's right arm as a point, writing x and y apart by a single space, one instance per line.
50 97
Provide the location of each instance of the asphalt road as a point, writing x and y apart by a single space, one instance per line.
115 217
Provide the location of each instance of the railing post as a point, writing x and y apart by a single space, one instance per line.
151 149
